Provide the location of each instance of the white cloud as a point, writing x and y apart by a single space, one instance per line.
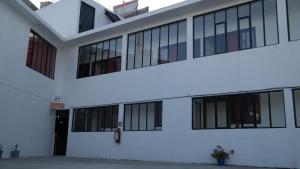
153 5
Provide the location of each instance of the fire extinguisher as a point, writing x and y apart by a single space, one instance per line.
118 136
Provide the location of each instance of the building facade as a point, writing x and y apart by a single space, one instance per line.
178 81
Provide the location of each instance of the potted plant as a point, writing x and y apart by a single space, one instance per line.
220 155
1 150
15 153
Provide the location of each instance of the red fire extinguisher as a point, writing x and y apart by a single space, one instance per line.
118 136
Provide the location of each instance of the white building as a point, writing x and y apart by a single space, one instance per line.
234 81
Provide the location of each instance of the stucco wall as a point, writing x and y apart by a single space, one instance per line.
25 118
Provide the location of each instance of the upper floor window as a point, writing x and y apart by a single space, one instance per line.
293 7
159 45
297 106
96 119
143 116
100 58
251 110
241 27
87 17
41 55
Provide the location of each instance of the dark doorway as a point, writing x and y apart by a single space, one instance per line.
61 133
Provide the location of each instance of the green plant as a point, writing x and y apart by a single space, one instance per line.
220 153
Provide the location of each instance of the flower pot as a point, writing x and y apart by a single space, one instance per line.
15 154
221 162
1 152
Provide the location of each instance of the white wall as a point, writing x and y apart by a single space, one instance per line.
25 118
63 16
249 70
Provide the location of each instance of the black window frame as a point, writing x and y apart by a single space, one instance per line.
294 106
159 43
228 115
238 29
101 111
158 108
49 69
92 71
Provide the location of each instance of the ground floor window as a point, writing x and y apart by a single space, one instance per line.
96 119
143 116
251 110
297 106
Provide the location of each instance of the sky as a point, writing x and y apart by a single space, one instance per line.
153 4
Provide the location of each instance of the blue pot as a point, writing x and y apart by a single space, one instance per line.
15 154
221 162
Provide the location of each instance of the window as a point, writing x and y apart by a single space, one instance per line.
297 107
251 110
96 119
41 55
163 44
87 17
100 58
143 116
293 7
245 26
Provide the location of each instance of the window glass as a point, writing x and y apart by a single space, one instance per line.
155 46
151 116
220 38
98 62
41 55
105 56
173 42
143 117
198 37
127 117
232 30
163 56
220 16
197 111
277 109
271 22
297 106
84 62
293 17
245 42
135 117
257 24
139 50
147 48
251 110
112 67
182 38
243 10
209 42
95 119
131 51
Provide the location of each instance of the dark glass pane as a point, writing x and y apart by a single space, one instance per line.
163 54
294 21
245 42
257 25
105 57
147 48
98 59
220 38
173 42
198 36
84 62
79 120
155 46
220 16
209 35
158 115
297 106
244 11
111 67
127 117
197 112
131 51
138 50
30 50
232 30
271 22
35 51
182 38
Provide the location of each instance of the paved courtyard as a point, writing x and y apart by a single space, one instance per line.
81 163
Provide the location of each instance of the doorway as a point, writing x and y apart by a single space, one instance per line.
61 133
